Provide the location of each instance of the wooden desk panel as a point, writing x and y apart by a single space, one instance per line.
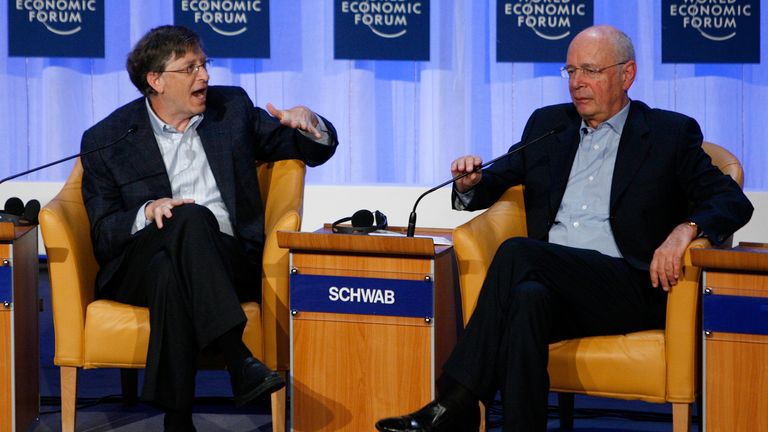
350 370
19 347
735 364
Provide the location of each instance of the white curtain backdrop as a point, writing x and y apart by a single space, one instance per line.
399 122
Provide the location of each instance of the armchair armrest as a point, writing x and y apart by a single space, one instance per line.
274 294
681 335
476 241
66 235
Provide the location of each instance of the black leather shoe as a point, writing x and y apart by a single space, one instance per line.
178 421
254 380
436 416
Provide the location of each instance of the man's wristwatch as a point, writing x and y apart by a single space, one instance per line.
695 226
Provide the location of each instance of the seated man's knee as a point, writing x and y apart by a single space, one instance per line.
530 292
516 247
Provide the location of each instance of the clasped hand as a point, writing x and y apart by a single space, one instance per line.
463 165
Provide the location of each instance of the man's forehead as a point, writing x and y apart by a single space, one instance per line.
190 54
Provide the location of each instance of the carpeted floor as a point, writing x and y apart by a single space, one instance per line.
99 407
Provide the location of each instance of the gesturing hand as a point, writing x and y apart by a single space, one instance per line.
160 208
298 117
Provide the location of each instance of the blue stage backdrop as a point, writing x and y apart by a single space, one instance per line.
537 31
725 31
71 28
381 29
399 122
228 28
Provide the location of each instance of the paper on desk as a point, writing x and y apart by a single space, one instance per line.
440 241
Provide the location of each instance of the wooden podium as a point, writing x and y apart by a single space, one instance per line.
373 320
735 348
19 347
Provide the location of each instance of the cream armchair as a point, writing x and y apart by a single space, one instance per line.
105 334
658 366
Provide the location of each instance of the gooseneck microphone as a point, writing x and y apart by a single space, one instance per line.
131 130
19 214
514 149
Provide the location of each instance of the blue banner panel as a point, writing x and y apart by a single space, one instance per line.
56 28
228 28
722 31
539 31
381 29
6 284
735 314
362 296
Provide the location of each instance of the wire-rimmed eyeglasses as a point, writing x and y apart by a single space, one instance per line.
192 69
588 72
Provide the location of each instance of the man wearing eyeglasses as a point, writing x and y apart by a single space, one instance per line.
613 198
176 218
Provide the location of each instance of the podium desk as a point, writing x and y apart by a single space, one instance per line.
735 341
373 319
19 347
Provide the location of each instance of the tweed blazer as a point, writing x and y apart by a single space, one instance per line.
119 179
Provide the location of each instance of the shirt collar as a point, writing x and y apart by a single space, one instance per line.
160 127
616 122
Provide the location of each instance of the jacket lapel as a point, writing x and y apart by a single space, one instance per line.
561 155
218 149
141 153
633 150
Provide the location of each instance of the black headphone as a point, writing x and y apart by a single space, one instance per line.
362 223
15 211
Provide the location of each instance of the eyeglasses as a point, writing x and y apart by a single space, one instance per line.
588 72
192 69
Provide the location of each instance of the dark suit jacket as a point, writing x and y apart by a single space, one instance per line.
119 179
662 177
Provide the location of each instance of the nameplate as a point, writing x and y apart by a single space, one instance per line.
363 296
735 314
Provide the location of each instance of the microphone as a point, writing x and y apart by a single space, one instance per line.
19 214
516 148
131 130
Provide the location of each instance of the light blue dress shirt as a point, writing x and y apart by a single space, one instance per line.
583 219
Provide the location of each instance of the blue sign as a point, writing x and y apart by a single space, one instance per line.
362 296
228 28
539 31
726 31
6 284
735 314
381 29
71 28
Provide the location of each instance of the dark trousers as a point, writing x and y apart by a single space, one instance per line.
537 293
192 278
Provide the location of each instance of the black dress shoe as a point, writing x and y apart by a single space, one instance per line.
253 380
436 416
178 421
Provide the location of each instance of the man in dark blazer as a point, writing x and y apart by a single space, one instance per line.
176 217
613 197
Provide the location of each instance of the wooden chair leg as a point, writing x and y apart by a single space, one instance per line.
129 383
565 406
681 417
482 417
68 398
278 409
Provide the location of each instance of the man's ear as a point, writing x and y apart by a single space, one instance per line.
156 81
629 71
